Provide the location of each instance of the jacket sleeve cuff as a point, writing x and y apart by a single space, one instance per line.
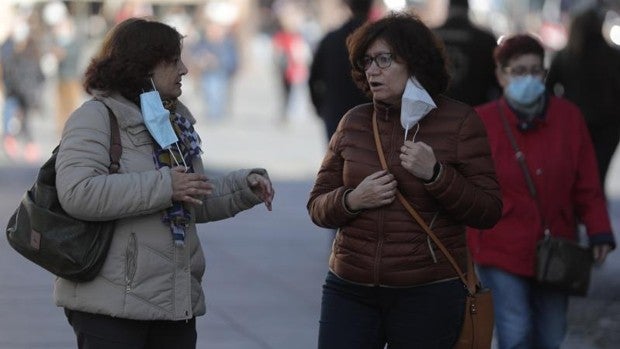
344 203
606 238
437 169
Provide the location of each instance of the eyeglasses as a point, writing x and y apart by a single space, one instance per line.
522 70
383 60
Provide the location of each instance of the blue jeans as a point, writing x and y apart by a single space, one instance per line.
215 87
366 317
527 316
11 106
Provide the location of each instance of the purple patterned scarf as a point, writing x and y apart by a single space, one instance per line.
177 216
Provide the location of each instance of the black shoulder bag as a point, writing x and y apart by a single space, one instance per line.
561 264
43 232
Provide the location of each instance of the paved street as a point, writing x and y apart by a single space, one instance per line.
264 269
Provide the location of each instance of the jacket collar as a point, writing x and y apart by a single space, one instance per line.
128 113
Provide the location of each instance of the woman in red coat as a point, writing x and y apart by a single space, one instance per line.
553 137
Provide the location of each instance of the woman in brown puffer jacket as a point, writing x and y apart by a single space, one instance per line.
388 283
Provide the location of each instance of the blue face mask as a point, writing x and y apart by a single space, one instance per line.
525 89
157 119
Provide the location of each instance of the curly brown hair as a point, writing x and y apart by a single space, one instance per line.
128 55
411 41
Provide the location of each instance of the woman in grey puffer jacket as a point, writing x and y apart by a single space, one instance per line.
148 292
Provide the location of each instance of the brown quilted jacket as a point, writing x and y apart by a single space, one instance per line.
385 246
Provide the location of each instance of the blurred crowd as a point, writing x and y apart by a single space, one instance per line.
45 46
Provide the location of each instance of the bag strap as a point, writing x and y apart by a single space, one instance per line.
520 156
116 148
471 280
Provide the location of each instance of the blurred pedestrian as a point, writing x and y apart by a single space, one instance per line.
332 89
23 87
216 57
148 291
292 55
470 52
387 282
587 72
554 141
67 48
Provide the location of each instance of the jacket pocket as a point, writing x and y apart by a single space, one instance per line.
139 135
131 261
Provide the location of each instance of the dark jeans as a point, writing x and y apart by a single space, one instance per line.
365 317
96 331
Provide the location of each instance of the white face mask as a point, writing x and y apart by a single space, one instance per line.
157 118
415 104
157 121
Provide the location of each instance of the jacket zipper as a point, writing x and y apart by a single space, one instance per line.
379 226
428 238
130 261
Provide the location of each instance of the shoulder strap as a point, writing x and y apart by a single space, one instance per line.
523 165
471 281
116 148
518 153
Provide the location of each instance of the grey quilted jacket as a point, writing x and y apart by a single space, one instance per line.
145 276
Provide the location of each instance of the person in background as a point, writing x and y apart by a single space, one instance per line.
387 282
332 90
148 292
67 48
470 52
216 58
292 54
23 79
554 140
587 72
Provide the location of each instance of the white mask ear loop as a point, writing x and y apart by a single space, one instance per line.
417 124
176 162
153 83
416 131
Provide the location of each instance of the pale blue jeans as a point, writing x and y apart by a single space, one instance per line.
527 316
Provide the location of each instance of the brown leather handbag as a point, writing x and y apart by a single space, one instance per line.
478 321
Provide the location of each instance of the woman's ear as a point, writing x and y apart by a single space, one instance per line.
501 76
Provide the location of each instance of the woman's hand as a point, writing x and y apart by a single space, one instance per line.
376 190
418 158
189 187
261 187
600 253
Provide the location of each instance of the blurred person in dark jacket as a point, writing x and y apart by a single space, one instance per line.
587 72
470 53
332 89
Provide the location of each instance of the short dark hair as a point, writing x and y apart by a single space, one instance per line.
516 46
359 7
128 55
411 41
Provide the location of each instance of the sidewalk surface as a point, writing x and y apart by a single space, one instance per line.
264 269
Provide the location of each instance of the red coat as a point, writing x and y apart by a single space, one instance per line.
561 161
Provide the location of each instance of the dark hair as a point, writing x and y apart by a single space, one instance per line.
128 55
516 46
411 41
360 8
586 32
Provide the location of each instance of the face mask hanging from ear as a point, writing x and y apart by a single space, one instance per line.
415 104
157 121
157 118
